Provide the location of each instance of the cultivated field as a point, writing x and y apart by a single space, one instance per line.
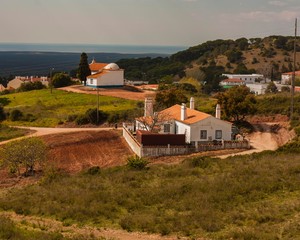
74 152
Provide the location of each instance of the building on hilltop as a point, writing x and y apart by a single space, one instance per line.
104 75
19 80
231 82
248 78
286 78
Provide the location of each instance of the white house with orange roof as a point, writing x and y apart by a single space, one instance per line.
287 77
104 75
197 126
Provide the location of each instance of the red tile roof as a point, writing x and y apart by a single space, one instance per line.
97 74
94 66
291 73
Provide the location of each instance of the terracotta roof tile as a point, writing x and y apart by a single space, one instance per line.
94 66
233 80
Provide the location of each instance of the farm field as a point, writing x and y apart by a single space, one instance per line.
49 110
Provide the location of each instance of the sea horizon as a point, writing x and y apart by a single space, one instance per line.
89 48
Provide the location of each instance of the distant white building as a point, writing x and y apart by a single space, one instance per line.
286 78
248 78
257 89
231 82
19 80
105 75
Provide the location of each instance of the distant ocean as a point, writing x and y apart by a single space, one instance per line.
89 48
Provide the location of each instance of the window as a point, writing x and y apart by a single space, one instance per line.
91 81
166 128
203 134
218 134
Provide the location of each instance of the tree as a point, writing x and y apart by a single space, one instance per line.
2 113
170 97
25 153
61 80
271 88
84 69
237 103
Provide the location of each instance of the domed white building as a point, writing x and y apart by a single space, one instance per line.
105 75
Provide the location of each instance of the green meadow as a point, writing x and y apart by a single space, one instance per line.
48 110
243 197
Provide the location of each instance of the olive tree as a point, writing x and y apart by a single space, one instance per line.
237 103
25 154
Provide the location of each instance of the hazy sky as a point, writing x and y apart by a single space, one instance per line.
144 22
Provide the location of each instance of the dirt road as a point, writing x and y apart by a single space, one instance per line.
114 92
266 136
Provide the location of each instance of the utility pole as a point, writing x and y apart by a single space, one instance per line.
97 105
51 70
293 75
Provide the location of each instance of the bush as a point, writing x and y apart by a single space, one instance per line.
61 80
81 119
2 113
137 163
15 115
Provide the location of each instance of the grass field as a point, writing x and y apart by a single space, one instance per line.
7 133
244 197
51 109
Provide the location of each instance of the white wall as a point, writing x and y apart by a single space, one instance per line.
111 78
210 124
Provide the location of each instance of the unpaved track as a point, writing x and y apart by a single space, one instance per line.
266 136
113 92
51 225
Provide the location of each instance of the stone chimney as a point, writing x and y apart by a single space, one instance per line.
183 114
218 111
192 103
148 107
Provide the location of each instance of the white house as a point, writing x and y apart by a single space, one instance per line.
19 80
197 126
248 78
286 78
257 88
231 82
105 75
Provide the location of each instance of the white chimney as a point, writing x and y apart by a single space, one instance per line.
183 114
192 103
148 107
218 111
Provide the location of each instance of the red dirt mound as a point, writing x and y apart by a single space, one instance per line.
73 152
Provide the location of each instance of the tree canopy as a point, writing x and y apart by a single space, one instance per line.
237 103
61 80
170 97
25 153
84 69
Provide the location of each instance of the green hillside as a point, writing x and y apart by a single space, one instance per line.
41 108
269 56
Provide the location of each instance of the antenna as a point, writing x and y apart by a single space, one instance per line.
294 73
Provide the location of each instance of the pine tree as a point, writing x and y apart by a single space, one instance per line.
83 70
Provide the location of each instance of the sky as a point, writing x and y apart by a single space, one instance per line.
144 22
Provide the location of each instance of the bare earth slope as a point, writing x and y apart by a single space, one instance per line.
74 152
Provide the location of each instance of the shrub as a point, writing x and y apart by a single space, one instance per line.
137 163
16 115
81 120
2 113
93 170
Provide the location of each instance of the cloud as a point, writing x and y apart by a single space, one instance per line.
278 3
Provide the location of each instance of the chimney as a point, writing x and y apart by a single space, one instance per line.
148 107
218 111
183 114
192 103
